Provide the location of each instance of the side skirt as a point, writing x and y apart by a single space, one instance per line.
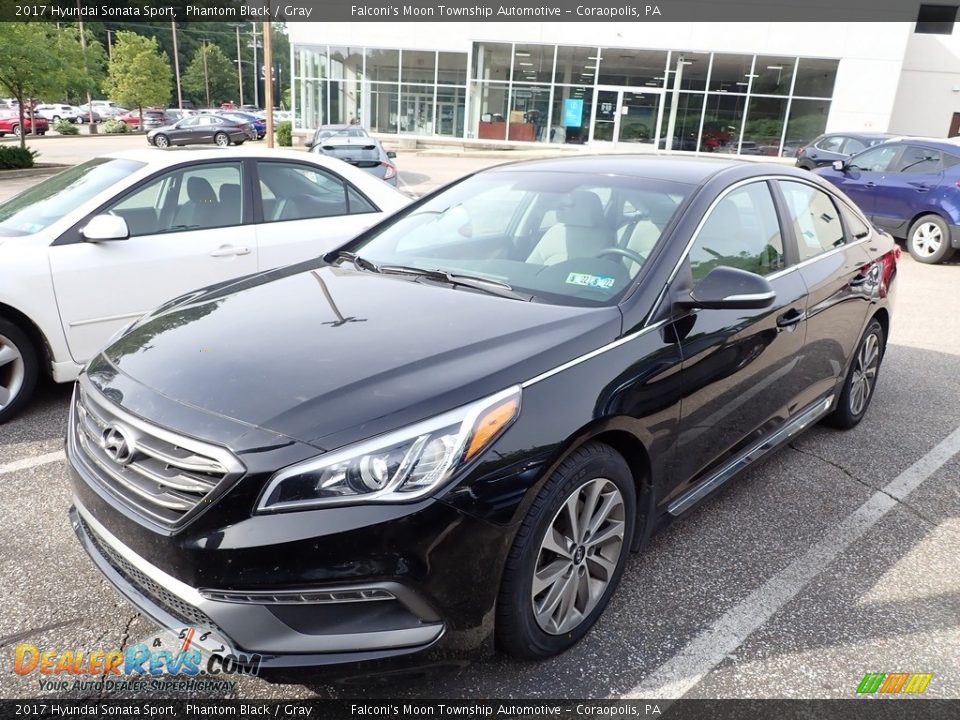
750 455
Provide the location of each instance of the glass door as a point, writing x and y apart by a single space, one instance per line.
626 115
638 115
605 116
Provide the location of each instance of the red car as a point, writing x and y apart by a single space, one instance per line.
10 123
152 118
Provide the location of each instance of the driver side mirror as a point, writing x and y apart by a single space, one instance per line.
727 288
391 154
102 228
839 165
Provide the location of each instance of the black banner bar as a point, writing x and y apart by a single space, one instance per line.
617 11
900 708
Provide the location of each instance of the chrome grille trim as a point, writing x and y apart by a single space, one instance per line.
167 475
301 597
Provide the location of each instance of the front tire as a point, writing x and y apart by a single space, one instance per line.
19 369
568 556
16 130
861 379
222 139
161 141
929 240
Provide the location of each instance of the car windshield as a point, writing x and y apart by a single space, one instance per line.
37 208
565 238
340 132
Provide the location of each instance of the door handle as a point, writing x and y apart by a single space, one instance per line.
229 251
922 188
870 184
790 318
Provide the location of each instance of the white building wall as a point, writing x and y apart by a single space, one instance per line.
929 91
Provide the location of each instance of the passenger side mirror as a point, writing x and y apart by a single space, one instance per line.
391 154
726 288
308 144
839 165
102 228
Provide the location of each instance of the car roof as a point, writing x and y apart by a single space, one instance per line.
165 158
950 145
687 170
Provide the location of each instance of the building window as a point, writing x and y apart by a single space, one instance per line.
936 19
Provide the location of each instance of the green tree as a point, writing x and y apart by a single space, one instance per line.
210 81
138 74
81 71
39 62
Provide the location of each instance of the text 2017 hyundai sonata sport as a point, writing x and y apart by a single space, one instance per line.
457 426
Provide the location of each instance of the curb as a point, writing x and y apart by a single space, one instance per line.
32 172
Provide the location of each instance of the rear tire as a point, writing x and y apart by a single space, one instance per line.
861 381
16 130
568 555
19 369
929 240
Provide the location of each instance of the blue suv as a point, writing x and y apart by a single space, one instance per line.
909 187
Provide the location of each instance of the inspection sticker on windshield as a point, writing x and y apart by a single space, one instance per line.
595 281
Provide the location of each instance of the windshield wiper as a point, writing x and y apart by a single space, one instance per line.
360 263
493 287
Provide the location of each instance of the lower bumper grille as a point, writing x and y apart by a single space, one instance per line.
189 615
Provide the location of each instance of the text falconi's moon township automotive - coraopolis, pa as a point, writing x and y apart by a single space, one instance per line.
478 11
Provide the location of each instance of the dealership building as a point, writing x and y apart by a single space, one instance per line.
749 88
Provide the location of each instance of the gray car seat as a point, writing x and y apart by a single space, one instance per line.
580 231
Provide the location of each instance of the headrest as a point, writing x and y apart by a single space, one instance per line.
583 209
230 194
199 190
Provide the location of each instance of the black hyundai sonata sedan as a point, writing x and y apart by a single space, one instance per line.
450 433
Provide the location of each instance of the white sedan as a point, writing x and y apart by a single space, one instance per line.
86 252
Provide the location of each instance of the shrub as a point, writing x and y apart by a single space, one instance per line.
65 127
114 126
285 134
14 157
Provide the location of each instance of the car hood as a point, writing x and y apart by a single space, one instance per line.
328 355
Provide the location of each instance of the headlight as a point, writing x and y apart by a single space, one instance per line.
396 467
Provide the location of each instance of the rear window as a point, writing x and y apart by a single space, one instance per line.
357 154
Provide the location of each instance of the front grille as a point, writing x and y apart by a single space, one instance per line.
159 595
160 474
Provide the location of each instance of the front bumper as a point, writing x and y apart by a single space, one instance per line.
251 626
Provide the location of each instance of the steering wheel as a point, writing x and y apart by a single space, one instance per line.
635 256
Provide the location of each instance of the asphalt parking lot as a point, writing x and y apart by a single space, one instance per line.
834 558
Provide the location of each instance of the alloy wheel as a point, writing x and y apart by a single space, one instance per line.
927 239
864 373
222 140
12 371
578 556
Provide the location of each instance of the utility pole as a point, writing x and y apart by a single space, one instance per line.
109 44
206 77
176 63
239 67
256 69
268 80
83 47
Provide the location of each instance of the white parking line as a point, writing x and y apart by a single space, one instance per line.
684 670
28 463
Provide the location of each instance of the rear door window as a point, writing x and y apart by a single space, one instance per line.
916 159
816 221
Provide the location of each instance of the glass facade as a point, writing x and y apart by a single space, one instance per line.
528 92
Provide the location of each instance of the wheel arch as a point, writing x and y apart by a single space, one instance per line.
33 332
616 433
928 211
882 316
